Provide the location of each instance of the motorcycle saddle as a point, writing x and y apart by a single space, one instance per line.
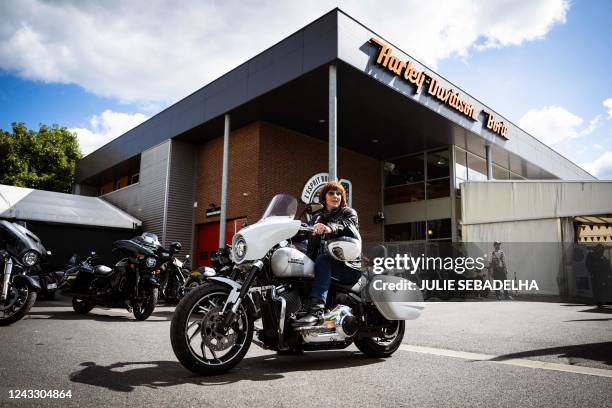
102 270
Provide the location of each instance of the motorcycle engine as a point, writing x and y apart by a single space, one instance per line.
339 324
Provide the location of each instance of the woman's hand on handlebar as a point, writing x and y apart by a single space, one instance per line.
320 229
306 228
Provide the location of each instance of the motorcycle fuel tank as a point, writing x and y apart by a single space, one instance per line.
290 263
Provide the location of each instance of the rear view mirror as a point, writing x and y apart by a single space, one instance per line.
313 208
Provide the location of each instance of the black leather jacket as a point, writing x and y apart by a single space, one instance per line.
343 223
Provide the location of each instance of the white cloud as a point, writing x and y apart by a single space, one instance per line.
592 126
601 167
105 127
147 52
608 105
551 124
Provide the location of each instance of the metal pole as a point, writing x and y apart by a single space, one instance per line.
489 158
333 130
224 176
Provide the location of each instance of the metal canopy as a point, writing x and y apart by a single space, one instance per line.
47 206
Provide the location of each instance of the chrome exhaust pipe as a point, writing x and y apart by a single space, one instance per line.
6 278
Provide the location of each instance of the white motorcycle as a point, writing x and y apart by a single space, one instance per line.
213 326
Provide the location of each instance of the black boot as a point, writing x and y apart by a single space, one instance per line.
317 306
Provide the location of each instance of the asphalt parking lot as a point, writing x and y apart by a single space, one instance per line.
486 354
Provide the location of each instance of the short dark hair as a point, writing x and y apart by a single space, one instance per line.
333 186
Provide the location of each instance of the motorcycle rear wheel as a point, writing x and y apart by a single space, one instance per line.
386 345
82 306
194 329
24 294
145 309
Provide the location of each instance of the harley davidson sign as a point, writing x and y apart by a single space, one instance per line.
408 71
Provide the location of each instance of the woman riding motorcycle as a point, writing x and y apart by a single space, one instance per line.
335 221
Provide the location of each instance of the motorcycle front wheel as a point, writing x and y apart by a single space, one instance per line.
19 301
197 339
384 345
142 310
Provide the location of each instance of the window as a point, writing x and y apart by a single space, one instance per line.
404 170
135 178
477 168
461 170
439 229
438 188
406 193
438 164
409 231
500 173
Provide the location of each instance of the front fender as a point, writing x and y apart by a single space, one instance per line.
234 286
149 282
226 281
32 282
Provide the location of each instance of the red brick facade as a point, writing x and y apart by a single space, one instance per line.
266 159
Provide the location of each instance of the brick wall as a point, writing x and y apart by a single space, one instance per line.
243 171
266 159
289 159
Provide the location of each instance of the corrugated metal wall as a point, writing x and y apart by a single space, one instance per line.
146 199
181 195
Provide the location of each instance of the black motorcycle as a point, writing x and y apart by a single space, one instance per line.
172 274
131 284
21 253
221 266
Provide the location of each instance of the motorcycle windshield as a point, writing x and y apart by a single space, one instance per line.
282 205
17 239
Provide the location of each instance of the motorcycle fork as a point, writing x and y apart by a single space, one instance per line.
235 298
6 277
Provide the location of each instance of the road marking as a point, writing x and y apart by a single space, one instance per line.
520 362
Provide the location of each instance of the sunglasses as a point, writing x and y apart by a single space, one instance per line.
332 193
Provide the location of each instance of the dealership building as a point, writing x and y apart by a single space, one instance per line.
337 100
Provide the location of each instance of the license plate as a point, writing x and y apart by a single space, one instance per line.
52 286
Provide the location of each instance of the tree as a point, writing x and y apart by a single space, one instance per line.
44 160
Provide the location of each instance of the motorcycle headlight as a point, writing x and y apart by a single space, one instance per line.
30 258
239 248
150 262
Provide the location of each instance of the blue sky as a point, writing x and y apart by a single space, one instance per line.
102 68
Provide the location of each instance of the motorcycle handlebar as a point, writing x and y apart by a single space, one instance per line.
306 228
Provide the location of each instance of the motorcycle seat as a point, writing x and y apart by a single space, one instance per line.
102 270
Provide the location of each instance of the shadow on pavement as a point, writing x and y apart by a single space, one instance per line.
601 352
161 316
127 376
592 309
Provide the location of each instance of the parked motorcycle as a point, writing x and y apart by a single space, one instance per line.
221 266
49 283
172 274
21 253
131 284
213 326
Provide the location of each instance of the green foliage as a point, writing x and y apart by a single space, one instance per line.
44 160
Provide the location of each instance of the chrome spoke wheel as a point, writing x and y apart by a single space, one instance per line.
208 341
16 299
